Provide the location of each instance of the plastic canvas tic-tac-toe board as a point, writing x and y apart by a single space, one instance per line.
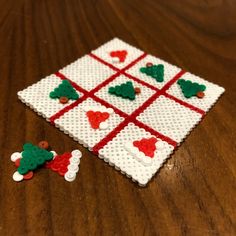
130 108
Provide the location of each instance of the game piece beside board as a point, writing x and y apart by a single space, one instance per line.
130 108
38 156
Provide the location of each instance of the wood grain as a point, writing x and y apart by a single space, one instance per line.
193 194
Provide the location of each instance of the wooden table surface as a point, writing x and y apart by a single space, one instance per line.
193 194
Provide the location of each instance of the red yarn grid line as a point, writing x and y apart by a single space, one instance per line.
119 112
185 104
115 68
84 97
140 81
76 86
164 93
164 88
103 62
155 133
132 118
93 96
92 92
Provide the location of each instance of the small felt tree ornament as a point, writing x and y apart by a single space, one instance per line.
154 71
191 89
64 92
144 150
125 90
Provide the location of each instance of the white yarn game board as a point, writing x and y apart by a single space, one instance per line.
133 126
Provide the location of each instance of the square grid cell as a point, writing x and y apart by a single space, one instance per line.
87 72
37 97
212 92
125 105
116 154
170 118
76 124
169 71
116 44
153 112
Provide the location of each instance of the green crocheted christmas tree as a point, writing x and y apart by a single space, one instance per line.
65 89
191 89
125 90
155 71
32 157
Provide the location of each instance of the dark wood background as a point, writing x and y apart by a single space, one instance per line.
193 194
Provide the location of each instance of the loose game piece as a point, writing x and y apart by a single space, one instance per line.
31 158
66 165
163 113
